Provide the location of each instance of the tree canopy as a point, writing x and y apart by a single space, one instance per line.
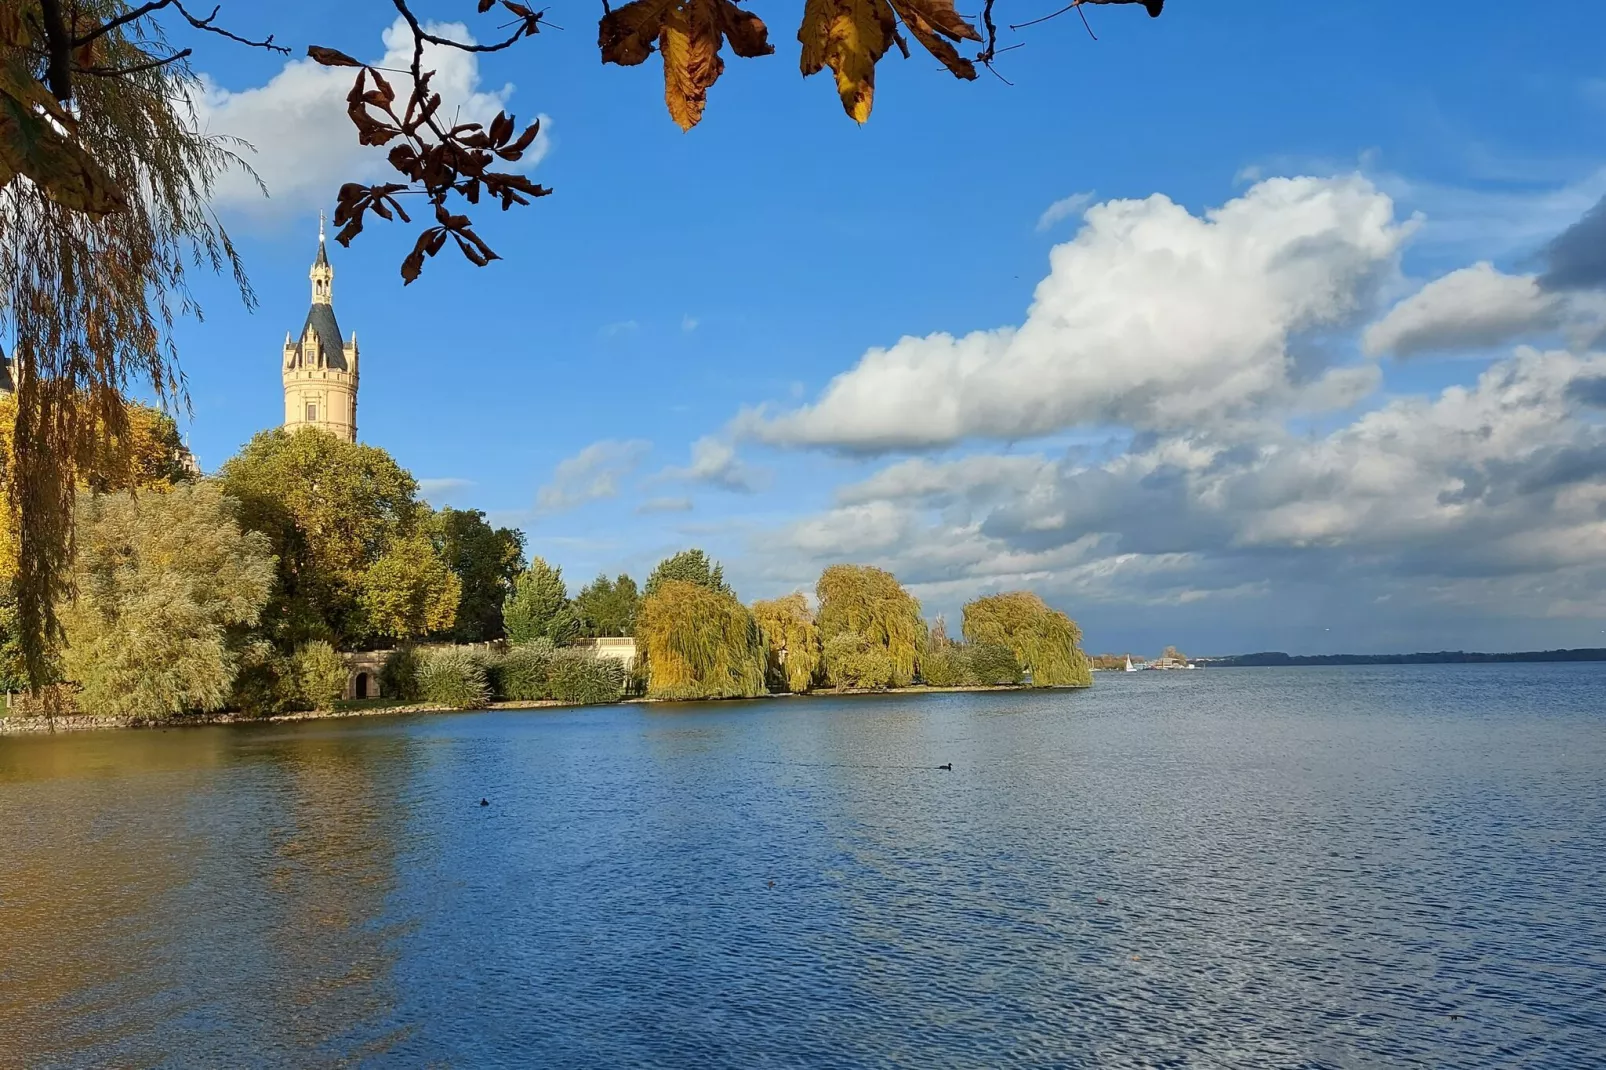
699 642
608 607
1045 641
871 602
539 606
332 511
486 561
689 566
166 585
791 642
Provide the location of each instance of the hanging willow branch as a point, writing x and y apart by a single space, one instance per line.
103 207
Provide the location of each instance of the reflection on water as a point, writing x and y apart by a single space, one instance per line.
1347 867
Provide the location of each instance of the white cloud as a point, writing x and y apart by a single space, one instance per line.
1151 317
1064 208
592 474
714 462
1476 307
302 144
436 490
664 505
688 323
619 329
1490 497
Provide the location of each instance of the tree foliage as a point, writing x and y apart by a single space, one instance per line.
699 642
166 585
852 659
147 454
872 603
332 511
791 643
608 607
486 561
409 591
1045 641
689 566
105 184
539 606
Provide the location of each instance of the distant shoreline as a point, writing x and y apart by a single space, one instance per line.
1276 658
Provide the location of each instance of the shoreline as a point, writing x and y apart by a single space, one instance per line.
86 722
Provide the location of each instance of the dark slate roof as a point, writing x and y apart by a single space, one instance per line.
323 257
321 319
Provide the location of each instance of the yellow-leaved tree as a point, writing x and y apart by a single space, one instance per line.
699 643
1045 641
791 642
870 603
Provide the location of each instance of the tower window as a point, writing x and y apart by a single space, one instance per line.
312 412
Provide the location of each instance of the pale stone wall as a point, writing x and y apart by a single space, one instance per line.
622 650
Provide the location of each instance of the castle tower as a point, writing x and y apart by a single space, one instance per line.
320 369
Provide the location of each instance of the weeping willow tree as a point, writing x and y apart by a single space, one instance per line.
791 642
872 603
1046 642
699 643
104 191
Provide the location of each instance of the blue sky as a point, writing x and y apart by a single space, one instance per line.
711 285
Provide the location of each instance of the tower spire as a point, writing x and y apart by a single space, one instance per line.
323 274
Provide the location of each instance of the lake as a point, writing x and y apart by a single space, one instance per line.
1400 866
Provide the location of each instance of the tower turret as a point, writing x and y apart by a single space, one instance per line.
320 368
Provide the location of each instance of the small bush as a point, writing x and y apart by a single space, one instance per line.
948 666
320 674
585 679
527 671
994 663
454 678
851 660
398 676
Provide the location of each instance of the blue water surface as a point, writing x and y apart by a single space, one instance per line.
1347 867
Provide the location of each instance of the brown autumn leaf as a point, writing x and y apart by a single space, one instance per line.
30 146
688 35
930 21
850 37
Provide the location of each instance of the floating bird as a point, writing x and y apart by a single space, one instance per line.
1456 1017
949 767
485 802
1101 901
772 884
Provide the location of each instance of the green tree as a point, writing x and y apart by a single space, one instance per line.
409 591
791 642
1045 641
699 643
539 606
871 602
167 586
486 561
608 607
330 509
689 566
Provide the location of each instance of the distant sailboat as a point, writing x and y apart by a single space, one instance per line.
1129 666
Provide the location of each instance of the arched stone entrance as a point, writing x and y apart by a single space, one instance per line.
360 686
